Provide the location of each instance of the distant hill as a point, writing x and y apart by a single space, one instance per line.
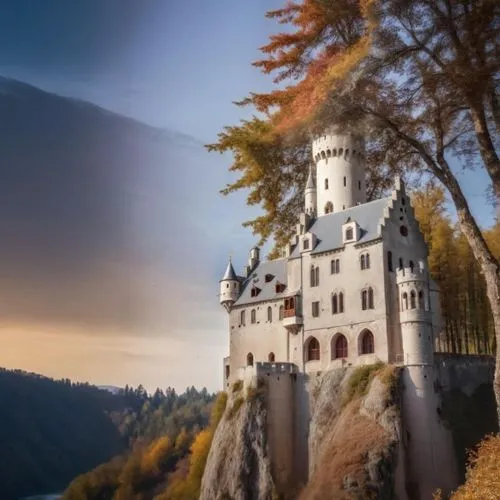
52 431
110 388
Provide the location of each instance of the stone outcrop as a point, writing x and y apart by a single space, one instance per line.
238 465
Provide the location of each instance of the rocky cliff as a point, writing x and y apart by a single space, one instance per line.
238 465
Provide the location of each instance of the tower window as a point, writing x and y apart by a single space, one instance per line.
328 153
359 185
412 266
341 151
421 303
253 316
328 207
405 301
345 181
271 357
249 359
404 231
413 300
401 263
389 261
326 183
315 309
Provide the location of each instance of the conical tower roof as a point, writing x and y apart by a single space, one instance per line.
229 274
310 179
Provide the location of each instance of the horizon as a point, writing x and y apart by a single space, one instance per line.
148 64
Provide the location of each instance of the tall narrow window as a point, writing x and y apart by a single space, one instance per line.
315 309
332 267
335 305
328 207
413 300
249 359
326 183
370 298
305 244
359 185
363 263
317 275
367 261
313 349
400 263
421 303
389 260
345 181
281 312
314 276
341 302
242 318
253 316
412 266
349 234
270 314
364 300
405 301
271 357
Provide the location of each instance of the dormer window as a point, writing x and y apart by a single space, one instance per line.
305 244
268 278
349 234
280 287
254 291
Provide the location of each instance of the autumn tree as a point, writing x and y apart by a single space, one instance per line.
421 77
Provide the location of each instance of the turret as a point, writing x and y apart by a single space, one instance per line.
310 205
254 258
340 171
229 287
415 315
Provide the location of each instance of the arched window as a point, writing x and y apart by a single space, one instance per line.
334 152
341 302
341 151
323 154
313 349
249 359
367 262
328 153
326 183
328 207
411 266
337 266
281 312
413 299
421 303
349 234
370 298
316 271
363 264
242 318
389 260
405 301
364 300
335 304
269 314
367 343
253 316
340 349
314 276
271 357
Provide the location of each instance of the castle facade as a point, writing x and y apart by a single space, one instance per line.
352 286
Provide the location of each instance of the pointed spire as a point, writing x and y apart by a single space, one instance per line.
230 274
310 179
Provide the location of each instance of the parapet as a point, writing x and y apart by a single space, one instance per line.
350 147
249 374
408 274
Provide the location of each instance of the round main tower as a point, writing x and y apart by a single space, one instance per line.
340 171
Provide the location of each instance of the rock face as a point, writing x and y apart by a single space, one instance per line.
238 465
352 443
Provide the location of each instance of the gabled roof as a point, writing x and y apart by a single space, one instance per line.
328 228
229 274
276 268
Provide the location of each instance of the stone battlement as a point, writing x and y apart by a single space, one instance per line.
408 274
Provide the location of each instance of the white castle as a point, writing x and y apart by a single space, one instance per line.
352 286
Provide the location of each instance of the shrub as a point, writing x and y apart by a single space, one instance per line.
359 381
218 410
234 409
237 386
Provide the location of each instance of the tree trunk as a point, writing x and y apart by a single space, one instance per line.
488 264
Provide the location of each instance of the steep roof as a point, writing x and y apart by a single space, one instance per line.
229 274
274 268
310 180
328 228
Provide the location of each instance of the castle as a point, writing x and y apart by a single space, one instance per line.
352 286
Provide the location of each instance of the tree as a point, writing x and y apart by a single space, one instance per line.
421 76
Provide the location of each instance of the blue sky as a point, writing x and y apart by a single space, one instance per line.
171 64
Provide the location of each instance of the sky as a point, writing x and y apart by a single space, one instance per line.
178 65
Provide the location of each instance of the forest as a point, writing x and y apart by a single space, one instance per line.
51 431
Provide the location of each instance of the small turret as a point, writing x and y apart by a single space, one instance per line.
254 258
310 195
229 287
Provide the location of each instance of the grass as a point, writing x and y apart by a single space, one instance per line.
359 382
238 402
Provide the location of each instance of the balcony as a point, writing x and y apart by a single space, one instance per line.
292 320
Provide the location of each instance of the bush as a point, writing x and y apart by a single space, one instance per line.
360 381
237 386
238 402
